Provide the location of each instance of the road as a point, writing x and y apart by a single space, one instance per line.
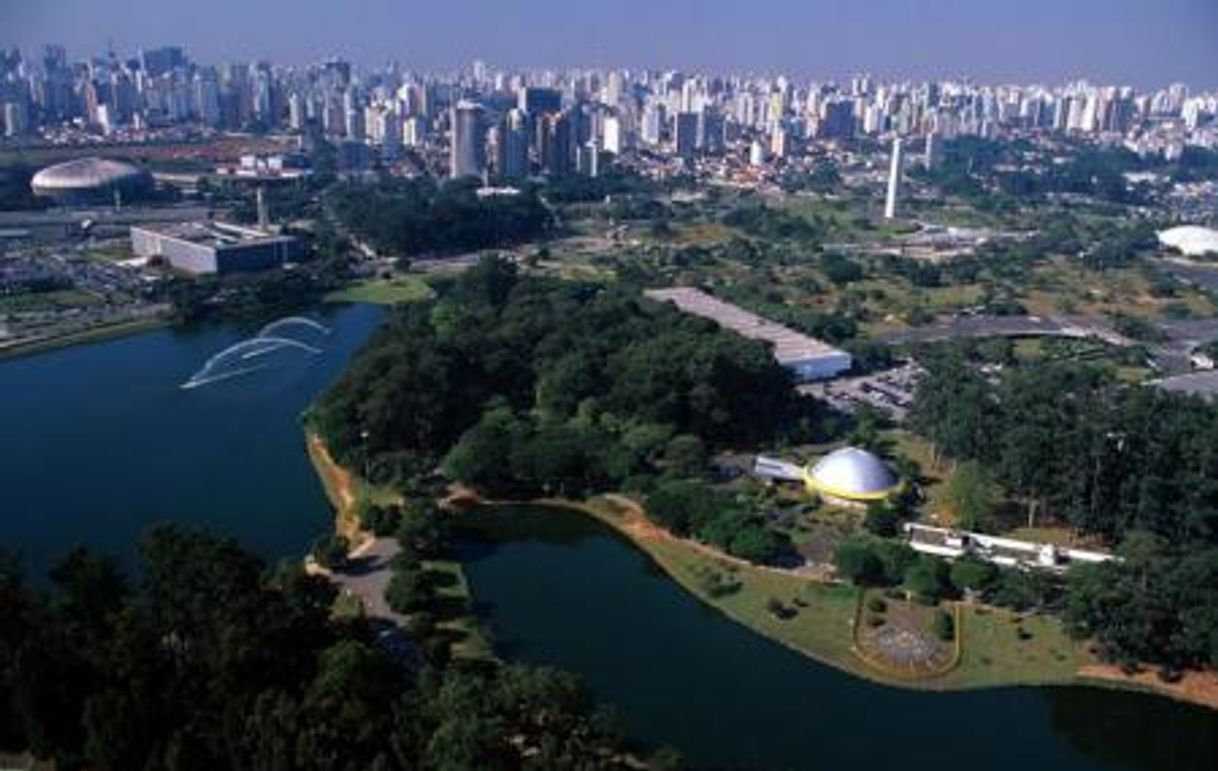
1007 326
366 577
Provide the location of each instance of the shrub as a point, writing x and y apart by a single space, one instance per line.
330 551
881 520
381 521
943 626
927 579
408 591
856 561
875 621
876 605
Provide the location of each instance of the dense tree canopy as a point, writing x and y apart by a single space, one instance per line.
536 384
213 662
1135 465
409 217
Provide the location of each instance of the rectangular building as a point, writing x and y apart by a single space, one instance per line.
807 357
214 247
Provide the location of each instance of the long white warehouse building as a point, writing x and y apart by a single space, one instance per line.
807 357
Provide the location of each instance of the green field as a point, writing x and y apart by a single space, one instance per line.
402 289
999 647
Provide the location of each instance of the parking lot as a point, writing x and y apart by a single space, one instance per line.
889 392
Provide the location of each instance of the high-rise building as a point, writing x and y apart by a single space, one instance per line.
611 131
207 97
931 157
685 134
836 119
756 154
414 131
652 124
512 151
158 61
894 180
16 120
710 130
296 111
468 149
587 160
556 143
539 101
780 141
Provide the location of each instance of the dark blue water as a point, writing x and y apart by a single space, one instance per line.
98 441
567 591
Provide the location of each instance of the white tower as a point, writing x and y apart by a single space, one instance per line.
894 180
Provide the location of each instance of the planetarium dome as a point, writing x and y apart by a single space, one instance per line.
852 474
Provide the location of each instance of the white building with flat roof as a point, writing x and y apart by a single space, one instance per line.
807 357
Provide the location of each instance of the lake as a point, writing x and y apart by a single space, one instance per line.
100 442
565 590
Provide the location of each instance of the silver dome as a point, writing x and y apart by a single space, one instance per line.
854 474
85 174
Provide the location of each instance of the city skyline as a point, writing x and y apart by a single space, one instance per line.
1114 42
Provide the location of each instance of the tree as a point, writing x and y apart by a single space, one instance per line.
424 528
927 579
755 543
409 591
381 521
944 626
971 574
685 455
856 561
881 519
330 551
971 495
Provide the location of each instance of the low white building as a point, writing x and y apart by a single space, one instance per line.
1004 552
807 357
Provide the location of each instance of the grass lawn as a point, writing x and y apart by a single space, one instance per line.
468 640
90 335
994 652
401 289
43 301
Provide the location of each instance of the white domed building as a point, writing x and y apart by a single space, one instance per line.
851 476
1190 240
89 179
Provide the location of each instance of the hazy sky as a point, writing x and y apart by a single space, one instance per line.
1144 42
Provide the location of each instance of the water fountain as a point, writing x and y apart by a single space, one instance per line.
234 360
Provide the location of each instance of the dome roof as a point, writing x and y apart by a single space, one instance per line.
853 474
1192 240
84 174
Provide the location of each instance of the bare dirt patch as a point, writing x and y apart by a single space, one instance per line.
1195 687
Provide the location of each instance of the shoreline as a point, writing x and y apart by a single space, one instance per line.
97 334
1197 688
679 559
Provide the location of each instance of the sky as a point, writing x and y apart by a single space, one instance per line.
1146 43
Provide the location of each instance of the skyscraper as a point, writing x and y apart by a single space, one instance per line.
513 147
931 158
538 101
468 152
556 143
685 134
894 180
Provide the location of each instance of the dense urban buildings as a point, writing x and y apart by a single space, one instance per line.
512 123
